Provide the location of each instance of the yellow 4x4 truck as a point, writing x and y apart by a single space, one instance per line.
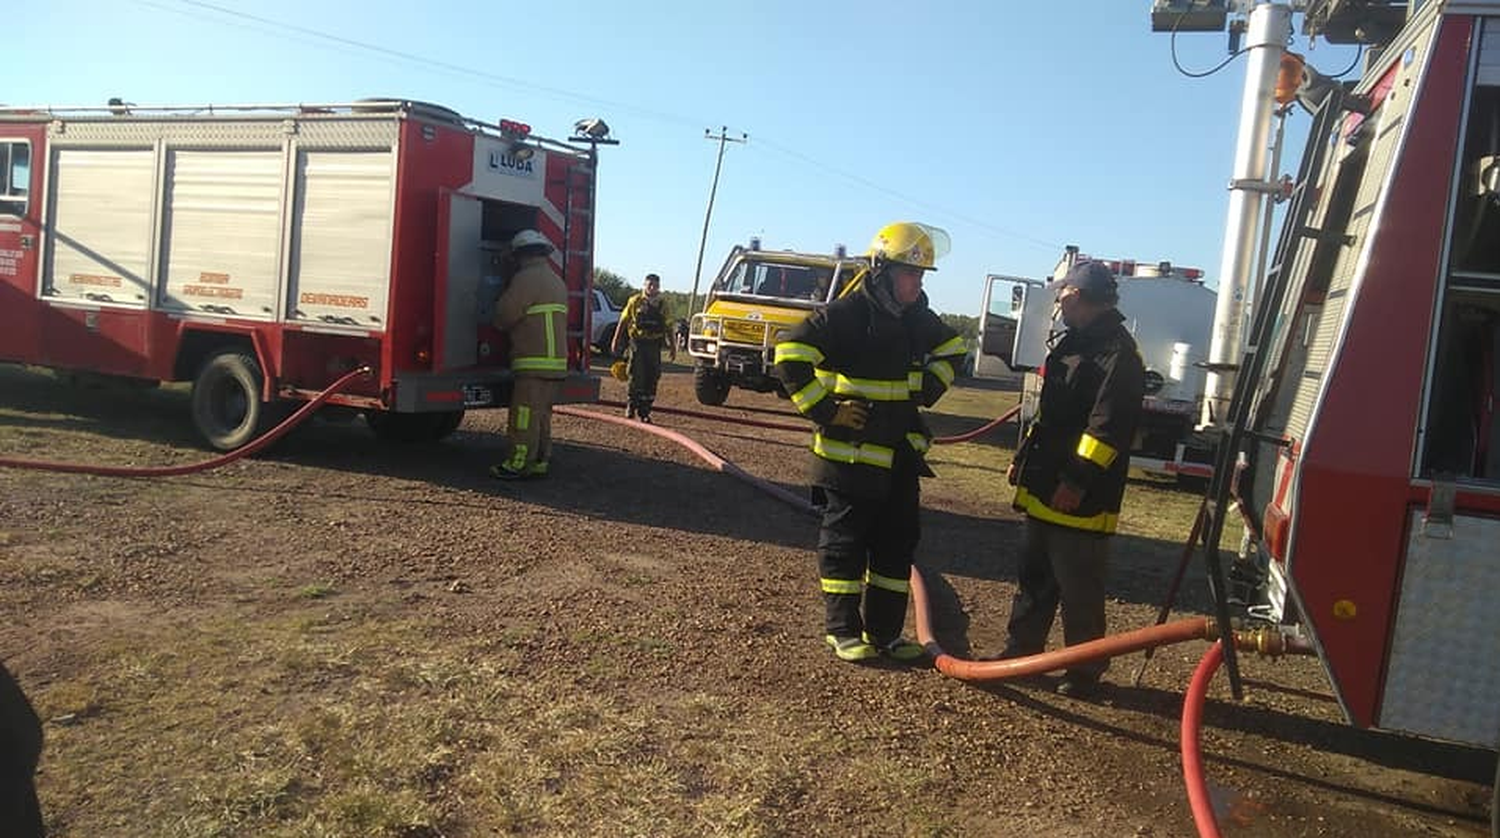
758 297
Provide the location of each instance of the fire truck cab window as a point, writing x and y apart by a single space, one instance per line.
1463 436
15 176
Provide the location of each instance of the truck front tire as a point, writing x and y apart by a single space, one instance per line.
227 410
709 385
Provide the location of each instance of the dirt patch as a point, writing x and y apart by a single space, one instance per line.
349 639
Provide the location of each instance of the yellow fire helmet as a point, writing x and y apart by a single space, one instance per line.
620 371
909 243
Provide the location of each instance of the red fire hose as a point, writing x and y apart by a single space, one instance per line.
259 444
981 430
1192 760
1113 645
714 460
783 426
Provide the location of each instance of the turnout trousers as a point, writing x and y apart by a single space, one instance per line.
865 549
529 426
1059 566
645 371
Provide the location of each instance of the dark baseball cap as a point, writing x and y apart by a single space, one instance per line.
1094 281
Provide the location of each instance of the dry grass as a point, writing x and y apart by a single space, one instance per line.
309 705
307 727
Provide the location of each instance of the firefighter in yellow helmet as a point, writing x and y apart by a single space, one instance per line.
860 369
533 310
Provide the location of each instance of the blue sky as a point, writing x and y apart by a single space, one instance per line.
1017 127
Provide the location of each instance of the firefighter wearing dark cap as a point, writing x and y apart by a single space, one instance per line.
860 369
1069 472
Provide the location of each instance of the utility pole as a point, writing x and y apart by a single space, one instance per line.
723 137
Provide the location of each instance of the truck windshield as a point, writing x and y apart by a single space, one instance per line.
764 279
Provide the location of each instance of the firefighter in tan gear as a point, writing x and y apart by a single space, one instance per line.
859 369
533 310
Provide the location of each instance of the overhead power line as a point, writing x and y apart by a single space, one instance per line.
233 17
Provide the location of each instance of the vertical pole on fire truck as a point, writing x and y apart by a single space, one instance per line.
1269 30
723 137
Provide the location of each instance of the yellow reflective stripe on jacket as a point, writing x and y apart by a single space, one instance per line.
1103 522
943 370
791 351
847 452
1096 451
874 389
546 310
875 580
918 442
537 363
914 381
840 586
810 395
953 346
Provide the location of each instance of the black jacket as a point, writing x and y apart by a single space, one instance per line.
1092 386
854 349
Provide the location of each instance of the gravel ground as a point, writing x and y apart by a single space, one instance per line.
634 536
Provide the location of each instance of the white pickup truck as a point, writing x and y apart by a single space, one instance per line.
605 316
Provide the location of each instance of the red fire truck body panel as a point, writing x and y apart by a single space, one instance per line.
1372 486
312 239
20 235
1356 468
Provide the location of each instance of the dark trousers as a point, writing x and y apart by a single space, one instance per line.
645 371
1059 565
20 749
874 535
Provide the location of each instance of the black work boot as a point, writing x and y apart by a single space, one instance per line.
1078 685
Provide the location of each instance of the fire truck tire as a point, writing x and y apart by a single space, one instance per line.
226 405
709 385
446 424
1495 802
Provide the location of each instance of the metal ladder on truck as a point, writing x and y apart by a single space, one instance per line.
578 246
1236 433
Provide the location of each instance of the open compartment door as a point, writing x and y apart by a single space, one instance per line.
1016 320
457 281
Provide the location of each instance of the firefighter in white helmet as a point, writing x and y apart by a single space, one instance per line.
533 310
860 369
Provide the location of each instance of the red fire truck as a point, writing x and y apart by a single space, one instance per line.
262 251
1361 447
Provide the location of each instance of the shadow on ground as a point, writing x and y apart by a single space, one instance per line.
594 480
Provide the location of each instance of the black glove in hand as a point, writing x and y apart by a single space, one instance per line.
851 415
